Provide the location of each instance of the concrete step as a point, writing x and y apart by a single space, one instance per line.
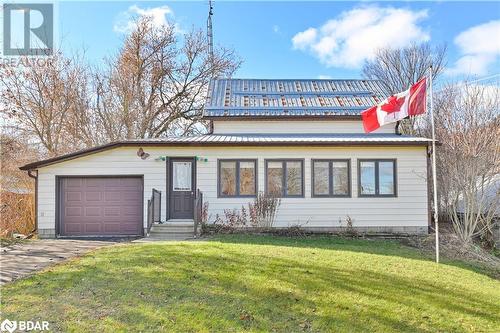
171 236
186 229
179 222
178 229
169 225
159 233
173 225
156 238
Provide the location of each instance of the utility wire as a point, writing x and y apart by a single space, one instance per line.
464 82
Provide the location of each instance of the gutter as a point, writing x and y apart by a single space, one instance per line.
35 177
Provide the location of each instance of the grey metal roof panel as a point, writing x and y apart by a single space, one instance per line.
250 97
289 138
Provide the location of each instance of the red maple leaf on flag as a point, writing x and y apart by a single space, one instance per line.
393 104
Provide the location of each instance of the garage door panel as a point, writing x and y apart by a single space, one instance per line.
112 196
73 182
93 182
92 211
73 211
129 227
73 196
130 211
93 228
114 182
101 206
130 196
117 227
111 211
73 228
93 196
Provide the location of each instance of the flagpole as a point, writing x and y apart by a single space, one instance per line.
434 177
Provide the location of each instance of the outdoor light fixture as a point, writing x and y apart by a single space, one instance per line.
198 158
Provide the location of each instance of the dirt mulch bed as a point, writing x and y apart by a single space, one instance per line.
451 247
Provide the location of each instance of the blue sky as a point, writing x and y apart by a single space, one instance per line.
302 39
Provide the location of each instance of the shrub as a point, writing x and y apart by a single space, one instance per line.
349 229
260 214
263 209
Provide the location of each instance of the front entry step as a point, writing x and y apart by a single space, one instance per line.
172 230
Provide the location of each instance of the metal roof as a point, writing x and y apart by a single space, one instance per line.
290 138
248 140
276 98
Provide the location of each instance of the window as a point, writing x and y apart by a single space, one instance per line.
331 178
285 178
377 178
237 178
181 176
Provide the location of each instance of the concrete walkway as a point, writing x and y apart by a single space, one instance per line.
23 259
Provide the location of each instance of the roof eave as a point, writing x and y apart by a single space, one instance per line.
85 152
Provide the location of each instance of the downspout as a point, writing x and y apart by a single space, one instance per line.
397 128
35 177
211 127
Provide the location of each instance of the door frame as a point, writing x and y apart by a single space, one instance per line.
58 189
169 180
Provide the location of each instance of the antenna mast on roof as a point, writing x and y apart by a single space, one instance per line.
210 35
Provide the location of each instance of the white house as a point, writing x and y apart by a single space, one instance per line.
300 139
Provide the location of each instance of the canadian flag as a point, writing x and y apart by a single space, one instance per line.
396 107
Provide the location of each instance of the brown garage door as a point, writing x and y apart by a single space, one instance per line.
99 206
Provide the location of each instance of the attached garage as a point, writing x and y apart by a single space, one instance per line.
100 206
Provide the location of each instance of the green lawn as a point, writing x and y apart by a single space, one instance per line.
258 283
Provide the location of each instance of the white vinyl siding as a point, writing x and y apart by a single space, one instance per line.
409 208
294 127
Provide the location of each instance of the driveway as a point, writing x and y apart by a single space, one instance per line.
23 259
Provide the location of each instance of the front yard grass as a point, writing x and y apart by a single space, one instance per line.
258 283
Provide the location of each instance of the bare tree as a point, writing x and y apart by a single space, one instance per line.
38 101
468 161
398 69
156 85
